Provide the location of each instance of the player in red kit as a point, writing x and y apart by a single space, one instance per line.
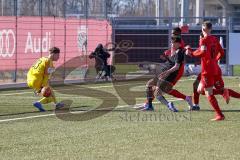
218 84
208 51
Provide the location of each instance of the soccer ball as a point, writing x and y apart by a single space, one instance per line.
46 91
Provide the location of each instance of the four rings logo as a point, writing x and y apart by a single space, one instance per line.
7 43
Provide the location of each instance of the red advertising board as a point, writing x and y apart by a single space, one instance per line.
25 39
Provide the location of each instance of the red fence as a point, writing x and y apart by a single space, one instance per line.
25 39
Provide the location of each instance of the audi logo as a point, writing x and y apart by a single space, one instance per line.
7 43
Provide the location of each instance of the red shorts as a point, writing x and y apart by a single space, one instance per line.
208 81
218 82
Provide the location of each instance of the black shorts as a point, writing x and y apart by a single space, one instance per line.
172 77
166 84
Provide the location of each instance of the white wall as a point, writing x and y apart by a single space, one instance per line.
234 48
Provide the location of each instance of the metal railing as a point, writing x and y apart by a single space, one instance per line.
28 38
151 35
170 21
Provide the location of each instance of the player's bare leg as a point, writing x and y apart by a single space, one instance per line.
159 95
150 87
148 105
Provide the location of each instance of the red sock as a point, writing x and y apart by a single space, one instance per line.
177 94
217 91
195 97
213 101
234 94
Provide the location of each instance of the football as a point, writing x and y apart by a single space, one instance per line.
46 91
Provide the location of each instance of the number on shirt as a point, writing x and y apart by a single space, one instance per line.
35 66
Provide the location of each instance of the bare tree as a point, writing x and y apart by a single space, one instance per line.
7 7
49 7
29 7
53 7
95 7
134 7
113 6
75 6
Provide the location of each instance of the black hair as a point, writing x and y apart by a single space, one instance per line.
99 47
176 31
176 39
207 24
54 50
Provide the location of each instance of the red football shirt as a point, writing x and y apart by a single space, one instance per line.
210 52
182 43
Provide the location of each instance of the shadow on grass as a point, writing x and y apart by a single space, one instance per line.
31 112
209 110
85 108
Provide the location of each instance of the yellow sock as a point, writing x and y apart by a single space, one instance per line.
50 99
53 98
46 100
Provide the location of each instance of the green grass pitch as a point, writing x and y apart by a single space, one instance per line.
122 133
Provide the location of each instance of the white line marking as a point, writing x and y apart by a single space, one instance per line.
9 94
191 79
21 93
74 112
48 115
30 117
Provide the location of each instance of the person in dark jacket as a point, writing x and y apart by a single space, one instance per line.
101 56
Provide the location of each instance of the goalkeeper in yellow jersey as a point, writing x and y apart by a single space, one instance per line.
38 79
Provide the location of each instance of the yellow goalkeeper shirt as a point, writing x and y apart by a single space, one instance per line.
39 74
